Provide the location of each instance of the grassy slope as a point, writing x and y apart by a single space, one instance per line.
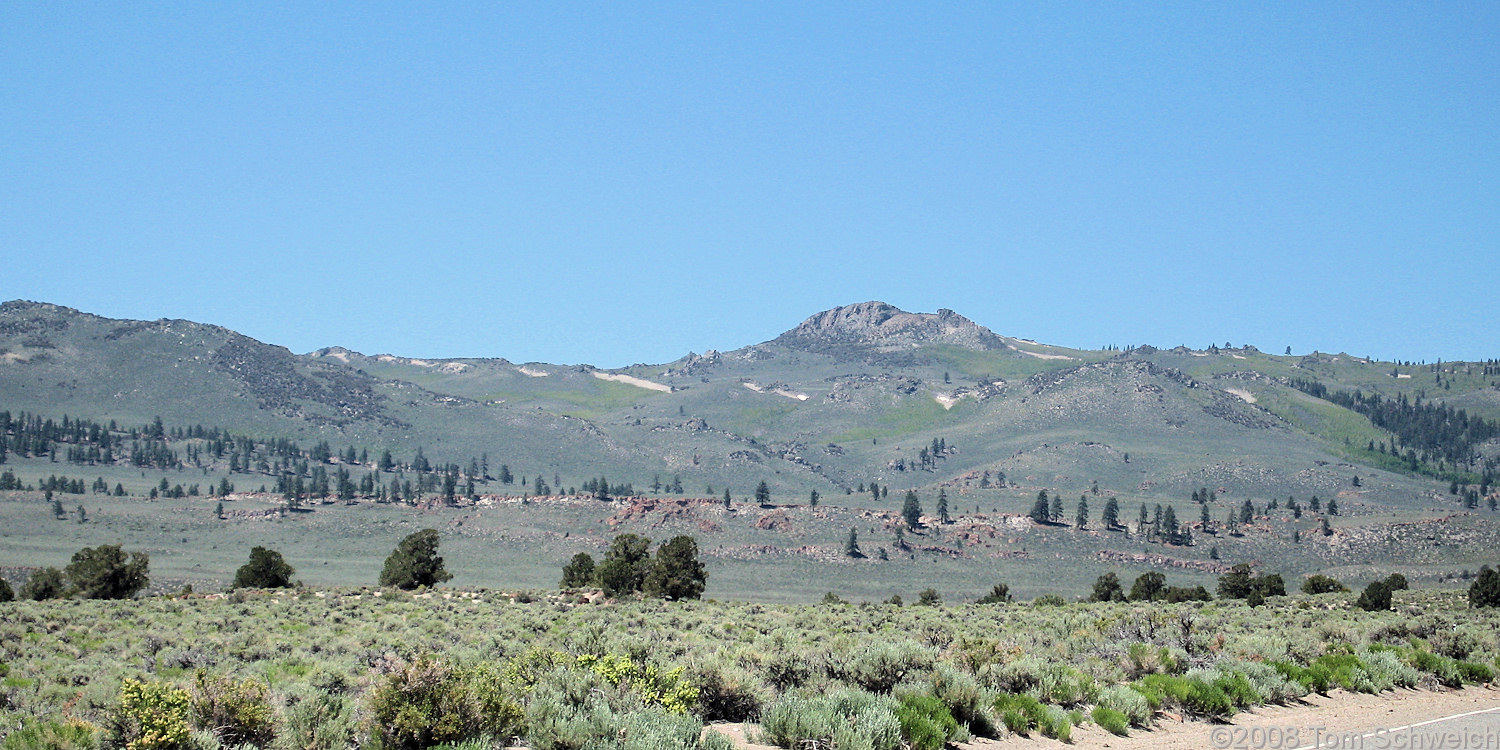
1063 434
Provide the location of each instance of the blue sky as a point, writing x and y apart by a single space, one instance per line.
616 183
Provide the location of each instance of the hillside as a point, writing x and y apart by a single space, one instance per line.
860 395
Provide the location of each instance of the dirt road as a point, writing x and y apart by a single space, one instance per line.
1467 719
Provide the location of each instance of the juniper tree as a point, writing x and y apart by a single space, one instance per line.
45 583
1485 590
676 573
1107 589
104 572
267 569
625 565
415 562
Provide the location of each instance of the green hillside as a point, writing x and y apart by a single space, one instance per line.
856 396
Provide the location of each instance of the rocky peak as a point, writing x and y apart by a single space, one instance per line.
883 325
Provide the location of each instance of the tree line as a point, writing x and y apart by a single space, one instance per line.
1428 433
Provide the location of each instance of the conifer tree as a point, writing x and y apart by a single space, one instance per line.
911 510
851 546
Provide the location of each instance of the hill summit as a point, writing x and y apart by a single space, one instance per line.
886 326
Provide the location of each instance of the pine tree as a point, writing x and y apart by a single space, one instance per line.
762 494
911 510
1111 515
851 546
942 506
1039 510
1082 520
1057 508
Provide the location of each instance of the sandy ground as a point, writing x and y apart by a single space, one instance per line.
1248 397
1038 355
1318 720
635 381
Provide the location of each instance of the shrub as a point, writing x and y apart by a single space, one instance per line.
843 718
52 735
1321 584
999 594
1111 721
1444 669
7 594
649 683
1268 684
929 598
726 692
1193 695
1124 700
1375 598
1056 723
1020 712
237 712
1141 659
317 720
878 667
1474 672
653 729
567 711
1387 670
1314 678
430 702
926 722
1065 685
963 696
150 716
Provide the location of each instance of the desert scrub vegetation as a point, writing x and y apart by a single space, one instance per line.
334 668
